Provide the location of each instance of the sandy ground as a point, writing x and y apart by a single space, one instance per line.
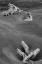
13 30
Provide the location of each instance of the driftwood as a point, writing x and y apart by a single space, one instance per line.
28 54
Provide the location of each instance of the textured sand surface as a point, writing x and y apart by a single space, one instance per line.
13 30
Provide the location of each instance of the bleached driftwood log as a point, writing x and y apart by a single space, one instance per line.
21 53
25 46
28 54
34 53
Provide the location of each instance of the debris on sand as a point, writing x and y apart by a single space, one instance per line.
28 17
5 13
12 9
29 53
15 8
